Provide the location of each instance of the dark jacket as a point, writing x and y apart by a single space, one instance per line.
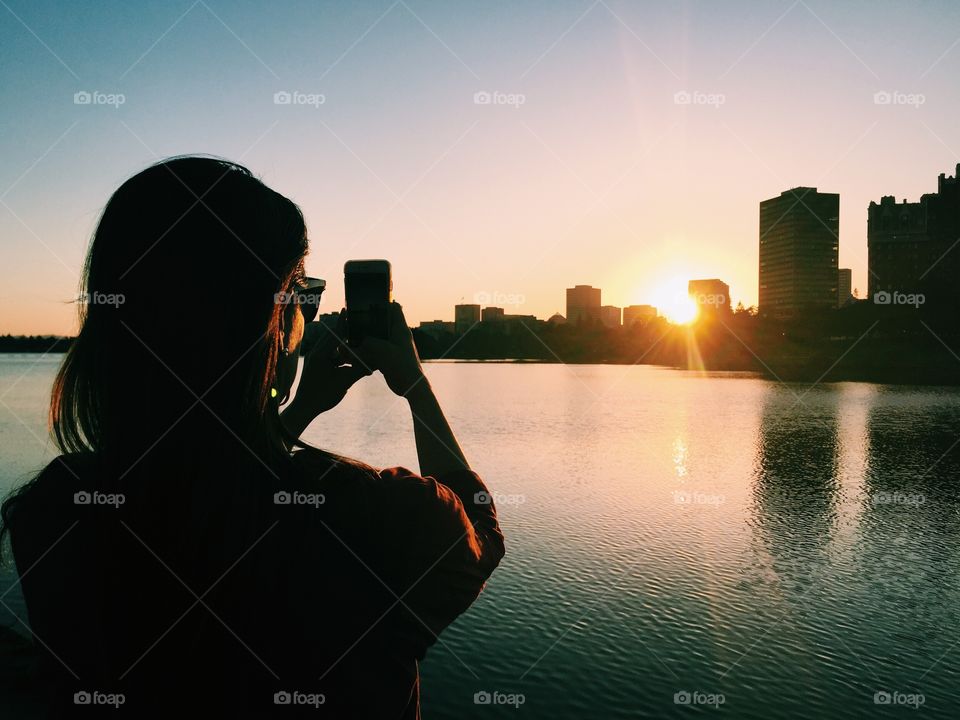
315 597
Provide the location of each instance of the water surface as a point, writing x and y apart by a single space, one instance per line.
791 548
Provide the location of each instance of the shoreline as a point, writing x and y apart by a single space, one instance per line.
919 376
873 377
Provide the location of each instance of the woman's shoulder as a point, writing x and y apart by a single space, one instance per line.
59 478
313 465
41 507
343 477
73 466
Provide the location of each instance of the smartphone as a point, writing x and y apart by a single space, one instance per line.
369 286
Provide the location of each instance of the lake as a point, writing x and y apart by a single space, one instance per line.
676 543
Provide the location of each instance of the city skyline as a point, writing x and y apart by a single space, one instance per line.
909 250
819 223
404 135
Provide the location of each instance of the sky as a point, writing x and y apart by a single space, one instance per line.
492 151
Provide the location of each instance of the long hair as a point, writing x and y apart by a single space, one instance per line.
168 383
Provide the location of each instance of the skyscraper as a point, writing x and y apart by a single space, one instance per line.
638 314
465 317
492 314
583 304
610 316
844 286
710 295
799 244
910 246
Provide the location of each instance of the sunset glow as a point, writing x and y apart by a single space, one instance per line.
494 170
620 336
673 302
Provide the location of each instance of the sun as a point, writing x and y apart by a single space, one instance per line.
673 302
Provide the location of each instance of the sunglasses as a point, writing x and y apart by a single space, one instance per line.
306 294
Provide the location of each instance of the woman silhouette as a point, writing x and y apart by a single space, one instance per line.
187 553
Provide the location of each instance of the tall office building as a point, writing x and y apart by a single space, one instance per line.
710 295
799 250
910 246
638 314
583 304
465 317
844 286
610 316
492 314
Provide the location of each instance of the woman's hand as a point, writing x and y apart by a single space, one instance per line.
396 358
324 381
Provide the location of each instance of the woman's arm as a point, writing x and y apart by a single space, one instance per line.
437 447
451 540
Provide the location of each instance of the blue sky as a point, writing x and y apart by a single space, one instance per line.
586 167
